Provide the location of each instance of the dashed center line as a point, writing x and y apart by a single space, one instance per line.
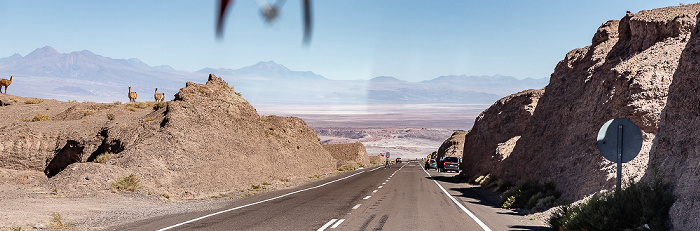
337 224
367 197
380 186
375 191
329 223
356 206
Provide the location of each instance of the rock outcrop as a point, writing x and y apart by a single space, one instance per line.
633 69
348 153
495 131
453 146
207 141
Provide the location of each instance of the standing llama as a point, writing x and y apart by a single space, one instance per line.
132 96
159 97
5 83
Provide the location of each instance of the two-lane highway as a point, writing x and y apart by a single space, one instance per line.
403 197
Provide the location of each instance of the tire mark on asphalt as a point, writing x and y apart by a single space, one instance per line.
382 221
364 226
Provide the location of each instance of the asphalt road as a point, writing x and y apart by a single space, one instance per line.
403 197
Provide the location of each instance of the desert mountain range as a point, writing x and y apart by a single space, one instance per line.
85 76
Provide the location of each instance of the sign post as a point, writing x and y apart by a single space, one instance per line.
619 141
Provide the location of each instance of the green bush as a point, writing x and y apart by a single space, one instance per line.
643 203
527 194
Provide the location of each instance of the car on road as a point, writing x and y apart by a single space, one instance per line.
398 160
430 163
451 163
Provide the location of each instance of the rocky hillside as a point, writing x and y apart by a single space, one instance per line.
348 153
633 69
453 146
496 130
208 140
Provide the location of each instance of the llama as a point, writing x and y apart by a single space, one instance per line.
132 96
5 83
159 97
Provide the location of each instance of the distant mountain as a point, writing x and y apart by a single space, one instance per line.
83 75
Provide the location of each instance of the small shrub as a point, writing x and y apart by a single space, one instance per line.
527 195
103 158
201 90
110 116
238 93
33 101
88 112
271 132
41 117
266 183
166 195
255 186
56 223
643 203
157 106
149 119
26 120
130 183
285 180
117 103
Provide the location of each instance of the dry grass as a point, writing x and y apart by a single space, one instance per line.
103 158
149 119
88 112
57 223
130 183
117 103
348 167
33 101
110 116
41 117
159 105
136 106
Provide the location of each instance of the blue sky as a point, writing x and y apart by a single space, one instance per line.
352 39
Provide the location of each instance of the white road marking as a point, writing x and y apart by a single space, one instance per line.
380 186
367 197
356 206
384 183
324 227
262 201
483 226
337 224
375 191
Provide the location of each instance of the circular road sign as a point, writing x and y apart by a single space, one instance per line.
620 134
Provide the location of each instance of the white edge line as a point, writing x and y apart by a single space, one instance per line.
483 226
251 204
324 227
337 224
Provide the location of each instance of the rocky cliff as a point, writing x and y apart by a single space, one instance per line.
348 153
207 141
495 132
633 69
453 146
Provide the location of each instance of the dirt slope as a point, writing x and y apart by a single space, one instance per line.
207 141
